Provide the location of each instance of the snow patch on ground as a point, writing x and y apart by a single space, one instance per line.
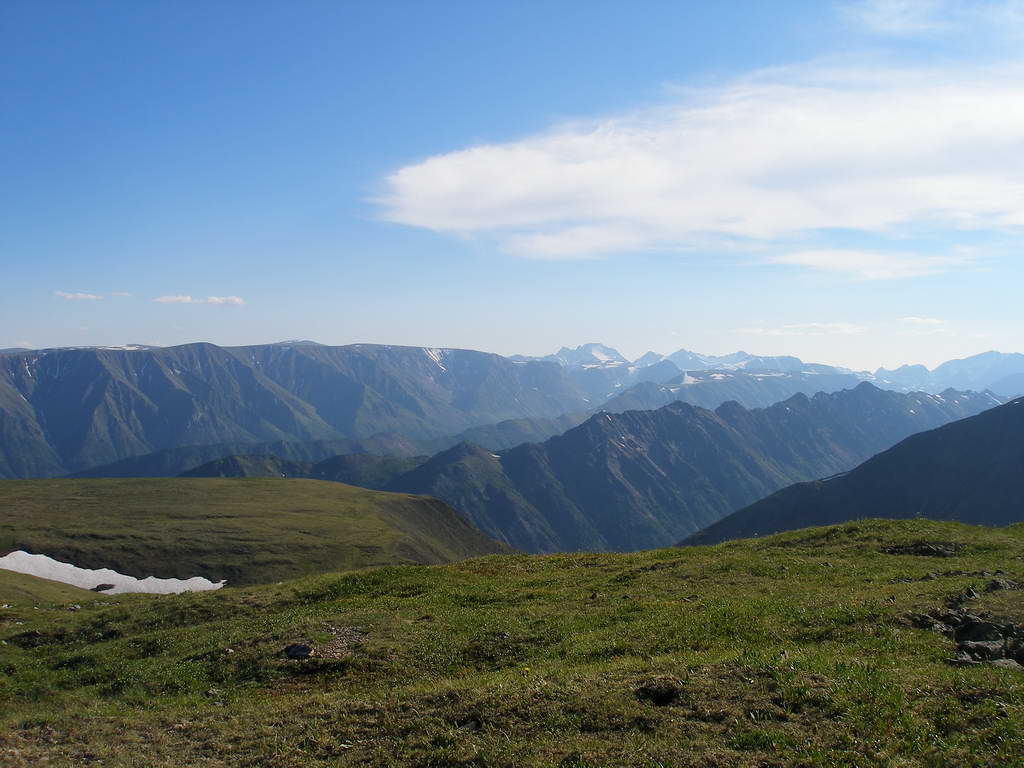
46 567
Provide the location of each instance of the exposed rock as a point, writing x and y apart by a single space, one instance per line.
978 640
102 587
976 630
925 549
999 584
299 651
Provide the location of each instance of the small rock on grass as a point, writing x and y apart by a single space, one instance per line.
299 651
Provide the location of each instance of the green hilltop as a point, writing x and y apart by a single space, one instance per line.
251 530
803 649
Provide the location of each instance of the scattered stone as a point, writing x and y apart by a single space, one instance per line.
957 600
978 640
75 607
925 549
973 629
999 584
102 587
661 691
299 651
1008 663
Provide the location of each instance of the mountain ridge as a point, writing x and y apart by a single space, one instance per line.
968 471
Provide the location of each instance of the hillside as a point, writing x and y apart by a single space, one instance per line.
245 531
65 410
24 589
171 462
250 465
649 478
969 470
799 650
363 469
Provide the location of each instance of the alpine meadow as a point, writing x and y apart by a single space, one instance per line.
512 384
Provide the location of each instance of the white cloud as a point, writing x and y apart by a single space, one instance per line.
923 320
806 329
24 344
77 296
897 17
906 18
223 300
872 265
765 161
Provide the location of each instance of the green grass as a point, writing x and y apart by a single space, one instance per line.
250 530
19 588
788 651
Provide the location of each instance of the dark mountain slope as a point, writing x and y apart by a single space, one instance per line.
361 469
91 406
250 465
66 410
646 478
363 389
171 462
971 470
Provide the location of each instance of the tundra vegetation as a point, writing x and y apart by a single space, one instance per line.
812 647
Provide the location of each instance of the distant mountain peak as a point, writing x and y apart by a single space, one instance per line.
590 354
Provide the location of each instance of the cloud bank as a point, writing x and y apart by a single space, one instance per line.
184 299
77 296
768 162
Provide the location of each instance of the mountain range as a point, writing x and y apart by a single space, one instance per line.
74 410
63 411
643 479
969 470
1002 373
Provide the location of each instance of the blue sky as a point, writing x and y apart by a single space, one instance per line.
843 182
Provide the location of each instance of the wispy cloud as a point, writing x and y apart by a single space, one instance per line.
897 17
120 293
77 296
767 161
908 18
806 329
184 299
925 326
932 321
873 265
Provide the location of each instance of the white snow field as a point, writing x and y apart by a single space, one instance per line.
46 567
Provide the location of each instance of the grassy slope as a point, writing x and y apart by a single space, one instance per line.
19 588
245 530
786 651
